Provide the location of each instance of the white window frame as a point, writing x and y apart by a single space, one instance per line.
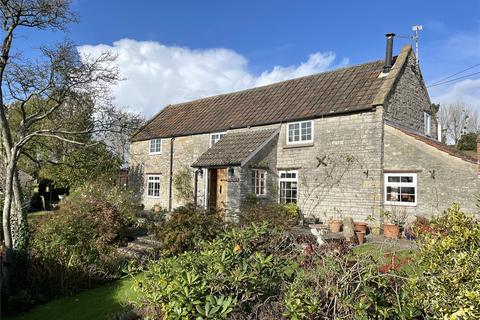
152 141
154 178
220 134
257 179
280 180
427 123
400 184
300 141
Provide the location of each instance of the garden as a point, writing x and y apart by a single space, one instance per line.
258 268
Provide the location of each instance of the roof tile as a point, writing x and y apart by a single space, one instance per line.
347 89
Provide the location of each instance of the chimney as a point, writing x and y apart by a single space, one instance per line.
388 54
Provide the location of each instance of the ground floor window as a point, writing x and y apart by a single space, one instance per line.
401 189
259 182
153 185
288 186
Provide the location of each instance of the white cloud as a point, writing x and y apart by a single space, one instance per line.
447 56
158 75
467 91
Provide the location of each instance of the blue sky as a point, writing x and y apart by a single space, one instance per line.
180 50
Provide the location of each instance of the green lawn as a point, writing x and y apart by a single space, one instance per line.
98 303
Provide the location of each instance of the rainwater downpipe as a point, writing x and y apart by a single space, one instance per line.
170 190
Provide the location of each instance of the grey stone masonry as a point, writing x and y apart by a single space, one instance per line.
341 171
442 179
185 151
409 99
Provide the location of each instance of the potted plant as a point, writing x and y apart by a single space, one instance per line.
395 220
335 222
360 236
360 226
390 230
374 227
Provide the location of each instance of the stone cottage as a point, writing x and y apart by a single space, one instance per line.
351 141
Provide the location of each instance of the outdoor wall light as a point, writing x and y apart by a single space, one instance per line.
432 173
231 172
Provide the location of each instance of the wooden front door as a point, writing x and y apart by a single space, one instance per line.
217 188
222 185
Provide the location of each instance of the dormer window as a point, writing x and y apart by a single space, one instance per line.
427 122
155 146
214 137
300 132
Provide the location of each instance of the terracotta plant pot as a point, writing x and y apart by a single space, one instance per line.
360 237
391 231
335 225
360 226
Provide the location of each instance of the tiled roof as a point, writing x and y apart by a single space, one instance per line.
335 92
234 148
434 143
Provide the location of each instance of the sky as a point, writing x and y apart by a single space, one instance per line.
174 51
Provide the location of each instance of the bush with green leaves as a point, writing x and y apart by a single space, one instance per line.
280 215
186 226
74 247
223 277
447 284
339 287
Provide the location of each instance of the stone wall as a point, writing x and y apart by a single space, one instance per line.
266 160
186 150
410 99
351 147
441 178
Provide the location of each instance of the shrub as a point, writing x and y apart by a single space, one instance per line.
185 227
447 286
279 215
75 247
338 287
183 183
228 275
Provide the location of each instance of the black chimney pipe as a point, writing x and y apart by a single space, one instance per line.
389 53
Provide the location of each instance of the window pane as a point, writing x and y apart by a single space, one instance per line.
288 189
401 189
407 190
393 179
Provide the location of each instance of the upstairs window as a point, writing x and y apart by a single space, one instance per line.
259 182
155 146
427 122
288 183
401 189
300 132
214 137
153 188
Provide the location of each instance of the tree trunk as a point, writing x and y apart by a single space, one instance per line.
18 218
7 235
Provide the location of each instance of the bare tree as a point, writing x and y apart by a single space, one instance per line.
456 119
41 89
474 121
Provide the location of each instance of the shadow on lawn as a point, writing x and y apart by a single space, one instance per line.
46 279
98 303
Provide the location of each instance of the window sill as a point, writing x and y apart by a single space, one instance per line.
298 145
154 153
400 204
